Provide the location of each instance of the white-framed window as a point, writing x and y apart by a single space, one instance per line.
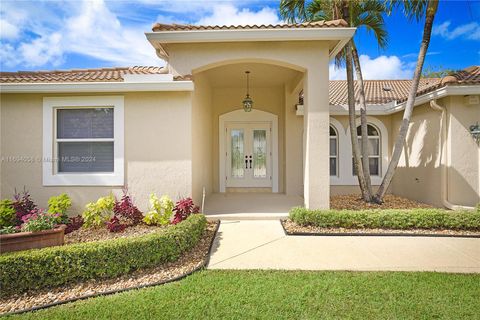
374 149
333 152
83 141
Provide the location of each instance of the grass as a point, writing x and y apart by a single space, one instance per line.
288 295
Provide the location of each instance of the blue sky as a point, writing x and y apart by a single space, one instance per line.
41 35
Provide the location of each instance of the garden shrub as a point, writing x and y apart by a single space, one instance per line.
60 204
388 219
54 266
161 210
115 225
183 209
23 205
126 210
73 224
96 214
7 214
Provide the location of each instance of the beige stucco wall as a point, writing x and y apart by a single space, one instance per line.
418 175
202 139
158 153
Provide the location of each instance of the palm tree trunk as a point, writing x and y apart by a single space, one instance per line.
363 125
399 143
353 125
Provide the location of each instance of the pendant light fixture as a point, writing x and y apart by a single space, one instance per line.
247 102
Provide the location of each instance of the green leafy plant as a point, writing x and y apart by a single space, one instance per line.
161 210
96 214
8 230
39 220
388 219
54 266
60 204
7 214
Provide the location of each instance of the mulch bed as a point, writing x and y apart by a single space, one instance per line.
188 262
97 234
355 202
293 229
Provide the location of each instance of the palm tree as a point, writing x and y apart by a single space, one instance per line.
413 9
368 14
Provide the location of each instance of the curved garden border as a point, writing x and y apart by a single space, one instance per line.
105 293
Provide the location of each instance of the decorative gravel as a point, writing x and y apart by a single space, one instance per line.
187 263
96 234
292 227
355 202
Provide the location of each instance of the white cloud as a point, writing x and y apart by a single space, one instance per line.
382 67
228 14
92 30
8 30
469 31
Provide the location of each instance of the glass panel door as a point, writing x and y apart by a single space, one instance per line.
259 153
237 153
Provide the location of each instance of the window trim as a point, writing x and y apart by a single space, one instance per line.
336 156
50 175
345 174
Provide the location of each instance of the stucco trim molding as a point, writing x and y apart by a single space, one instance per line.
253 116
53 178
74 87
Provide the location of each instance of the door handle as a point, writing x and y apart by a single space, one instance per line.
246 162
250 161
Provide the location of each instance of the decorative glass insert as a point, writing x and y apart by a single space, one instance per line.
237 151
259 153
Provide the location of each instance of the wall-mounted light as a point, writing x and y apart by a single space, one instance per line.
475 132
247 102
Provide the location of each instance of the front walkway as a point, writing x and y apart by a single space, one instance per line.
263 245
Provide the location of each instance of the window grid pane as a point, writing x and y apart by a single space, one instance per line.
85 157
85 123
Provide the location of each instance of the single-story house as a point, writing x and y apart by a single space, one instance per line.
186 129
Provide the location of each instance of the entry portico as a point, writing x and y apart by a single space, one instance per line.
269 149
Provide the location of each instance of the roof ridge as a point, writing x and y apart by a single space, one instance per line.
191 27
26 72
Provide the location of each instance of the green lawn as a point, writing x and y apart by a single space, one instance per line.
288 295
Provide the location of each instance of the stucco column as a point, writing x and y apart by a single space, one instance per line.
316 139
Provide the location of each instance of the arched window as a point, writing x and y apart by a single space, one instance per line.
374 151
333 152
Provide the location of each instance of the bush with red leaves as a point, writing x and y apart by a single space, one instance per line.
125 209
184 208
73 224
114 225
23 205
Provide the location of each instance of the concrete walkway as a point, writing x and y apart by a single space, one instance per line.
263 245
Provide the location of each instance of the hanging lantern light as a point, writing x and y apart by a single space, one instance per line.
247 102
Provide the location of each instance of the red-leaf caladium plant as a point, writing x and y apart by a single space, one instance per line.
184 208
127 210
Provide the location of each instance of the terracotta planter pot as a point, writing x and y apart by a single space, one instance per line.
32 240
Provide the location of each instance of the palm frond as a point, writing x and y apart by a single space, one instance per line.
293 11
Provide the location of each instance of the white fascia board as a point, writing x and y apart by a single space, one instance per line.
68 87
292 34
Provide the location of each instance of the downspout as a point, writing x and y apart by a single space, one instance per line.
444 160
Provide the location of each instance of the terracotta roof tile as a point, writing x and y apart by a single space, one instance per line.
77 75
188 27
385 91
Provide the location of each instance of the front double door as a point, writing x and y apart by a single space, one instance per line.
249 155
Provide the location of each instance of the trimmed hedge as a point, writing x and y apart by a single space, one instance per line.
33 269
388 219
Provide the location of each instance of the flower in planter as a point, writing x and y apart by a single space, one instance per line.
38 220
